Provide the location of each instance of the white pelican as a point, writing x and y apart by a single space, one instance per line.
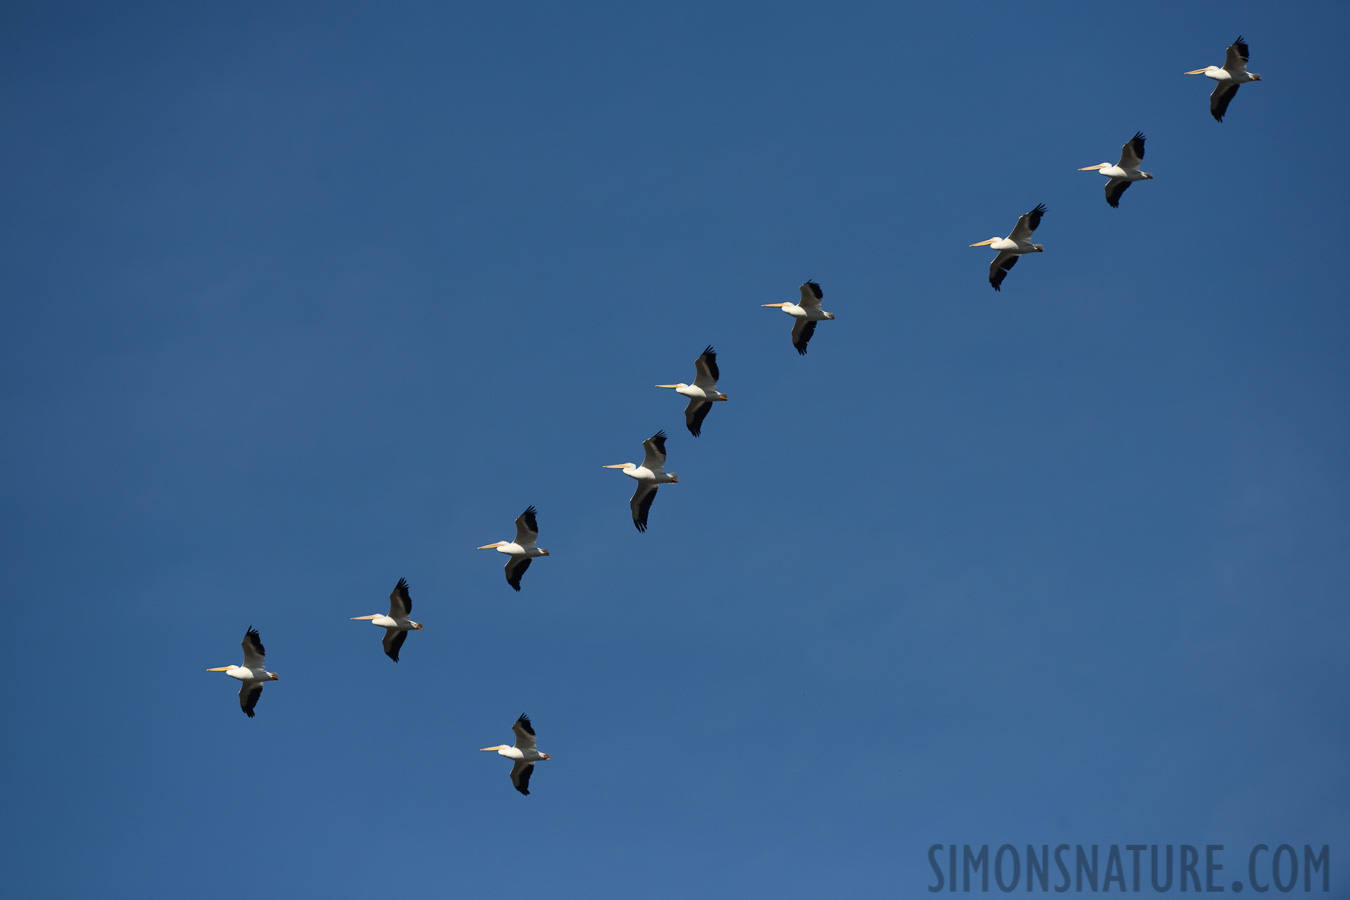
252 673
522 550
648 475
1230 77
807 315
396 625
524 753
1013 246
1123 172
701 393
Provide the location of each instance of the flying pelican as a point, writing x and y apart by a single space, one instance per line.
1123 172
1013 246
651 473
396 625
1233 75
252 673
701 393
524 753
807 315
522 550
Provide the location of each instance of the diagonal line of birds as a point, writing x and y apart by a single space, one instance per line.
702 394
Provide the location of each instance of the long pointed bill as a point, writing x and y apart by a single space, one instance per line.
1197 71
492 546
775 305
984 243
616 466
1093 168
498 747
668 385
364 618
219 669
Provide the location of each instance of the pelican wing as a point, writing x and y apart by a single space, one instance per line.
801 334
1237 57
248 696
1000 267
706 365
524 733
393 641
1219 100
811 295
1132 154
641 504
400 601
515 567
655 447
254 653
1027 224
527 528
1114 188
695 413
520 776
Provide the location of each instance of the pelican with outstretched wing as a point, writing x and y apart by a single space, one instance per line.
805 314
525 754
649 475
252 673
1125 172
1230 76
398 623
522 549
702 393
1013 246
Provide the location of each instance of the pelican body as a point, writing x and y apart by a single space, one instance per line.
252 673
1125 172
806 314
702 393
524 753
397 624
649 475
1230 76
522 549
1013 246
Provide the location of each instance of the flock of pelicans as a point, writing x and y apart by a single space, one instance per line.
702 394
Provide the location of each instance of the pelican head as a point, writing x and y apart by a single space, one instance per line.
1206 70
493 546
1105 165
992 240
498 747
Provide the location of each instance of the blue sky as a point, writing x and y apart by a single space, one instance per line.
298 303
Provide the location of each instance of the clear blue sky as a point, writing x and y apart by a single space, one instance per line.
301 300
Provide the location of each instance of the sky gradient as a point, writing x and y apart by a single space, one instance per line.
298 303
